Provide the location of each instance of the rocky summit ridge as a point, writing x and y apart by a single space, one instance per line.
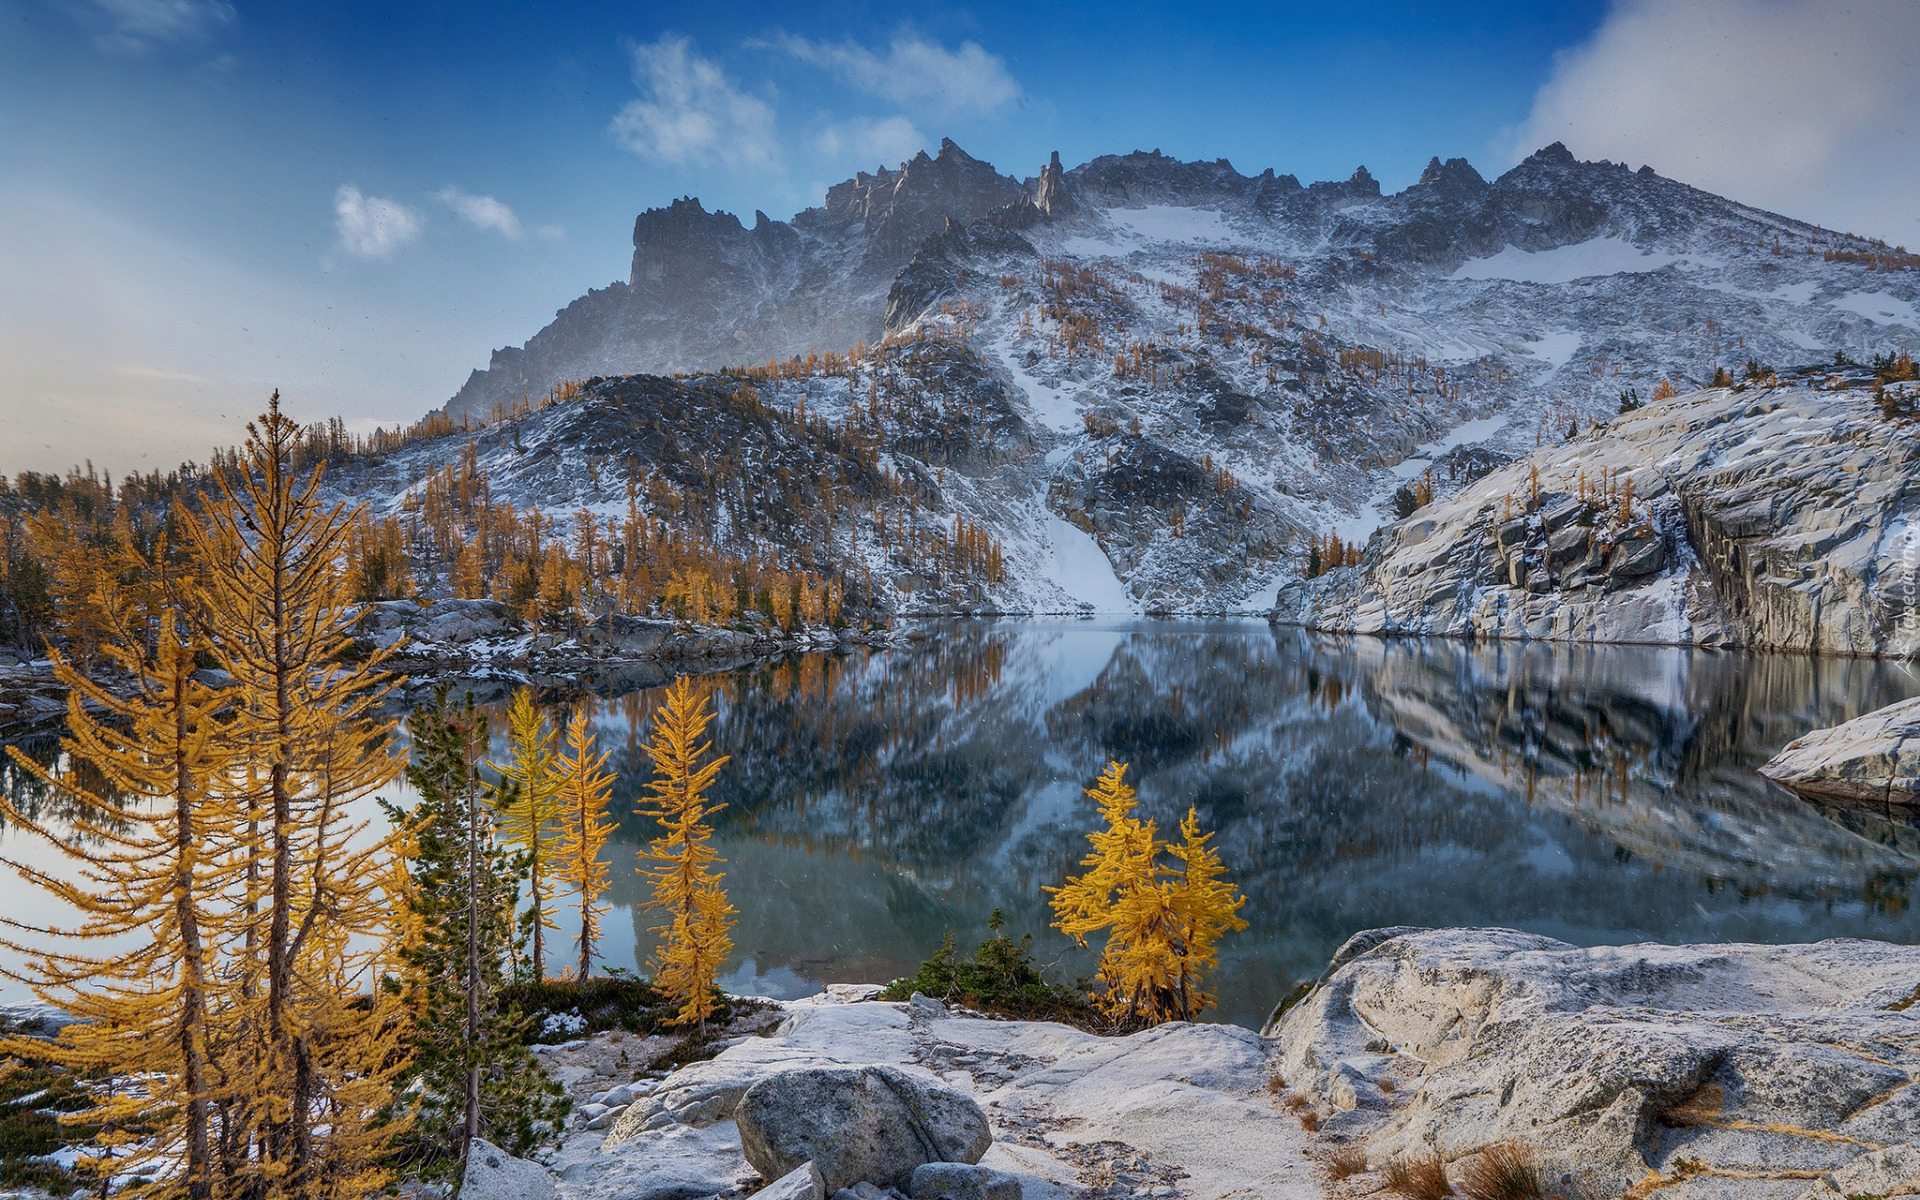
1171 377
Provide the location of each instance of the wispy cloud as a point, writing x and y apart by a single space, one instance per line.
137 26
886 141
1798 105
373 226
482 212
913 71
689 112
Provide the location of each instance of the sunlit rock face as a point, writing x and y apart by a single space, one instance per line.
1782 1070
1776 517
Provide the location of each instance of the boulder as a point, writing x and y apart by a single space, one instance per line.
959 1181
493 1174
876 1124
1677 1066
801 1183
1873 759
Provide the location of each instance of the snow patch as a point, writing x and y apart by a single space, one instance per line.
1131 228
1555 349
1563 264
1882 308
1079 567
1049 403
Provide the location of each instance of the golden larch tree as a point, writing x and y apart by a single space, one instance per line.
1163 925
584 787
315 1042
147 853
528 806
680 863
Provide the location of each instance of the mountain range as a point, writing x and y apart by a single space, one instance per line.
1155 382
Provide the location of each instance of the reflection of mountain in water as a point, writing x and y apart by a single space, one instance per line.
1594 793
1599 794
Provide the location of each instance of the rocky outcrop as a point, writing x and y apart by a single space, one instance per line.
1872 760
493 1174
1775 517
1767 1072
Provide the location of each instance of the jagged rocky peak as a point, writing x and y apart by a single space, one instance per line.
1456 176
684 239
1051 198
1150 177
899 209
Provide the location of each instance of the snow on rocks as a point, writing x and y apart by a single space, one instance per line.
1872 760
1699 1071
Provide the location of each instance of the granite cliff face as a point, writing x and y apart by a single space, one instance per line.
1775 517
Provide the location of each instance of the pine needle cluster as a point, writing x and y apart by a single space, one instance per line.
1163 922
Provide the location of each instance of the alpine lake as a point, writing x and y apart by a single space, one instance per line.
877 800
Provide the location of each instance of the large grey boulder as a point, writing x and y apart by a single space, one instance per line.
1767 517
1773 1065
872 1124
1873 759
493 1174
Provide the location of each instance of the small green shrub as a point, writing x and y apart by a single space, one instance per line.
602 1003
1001 977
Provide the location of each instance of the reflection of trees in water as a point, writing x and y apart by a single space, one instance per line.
44 804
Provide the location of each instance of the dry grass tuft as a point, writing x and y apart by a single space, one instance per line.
1386 1085
1504 1171
1294 1101
1419 1178
1309 1120
1276 1084
1346 1162
1702 1108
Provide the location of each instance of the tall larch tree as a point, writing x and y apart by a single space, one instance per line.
528 806
146 860
584 788
309 1067
680 864
470 1074
1120 864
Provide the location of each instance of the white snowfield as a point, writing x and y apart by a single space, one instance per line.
1564 264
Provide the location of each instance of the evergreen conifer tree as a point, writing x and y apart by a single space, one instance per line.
473 1074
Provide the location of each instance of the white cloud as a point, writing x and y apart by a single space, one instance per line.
887 141
690 112
373 226
1801 106
914 71
482 212
137 26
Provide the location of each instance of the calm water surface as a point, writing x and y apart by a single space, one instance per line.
877 800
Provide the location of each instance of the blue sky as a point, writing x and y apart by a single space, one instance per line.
203 199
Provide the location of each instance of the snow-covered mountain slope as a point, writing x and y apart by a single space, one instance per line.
1195 370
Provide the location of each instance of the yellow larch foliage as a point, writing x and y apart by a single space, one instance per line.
680 862
1205 907
315 1044
148 854
528 804
584 787
1163 925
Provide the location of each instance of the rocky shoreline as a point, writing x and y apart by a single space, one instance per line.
1701 1072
